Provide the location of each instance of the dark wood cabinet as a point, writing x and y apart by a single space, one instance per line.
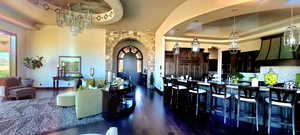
240 62
213 65
247 62
227 62
169 63
187 63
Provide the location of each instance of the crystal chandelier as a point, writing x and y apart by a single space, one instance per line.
233 39
291 35
195 45
77 22
176 49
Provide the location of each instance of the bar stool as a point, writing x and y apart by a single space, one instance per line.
247 94
285 98
177 87
195 91
168 92
219 91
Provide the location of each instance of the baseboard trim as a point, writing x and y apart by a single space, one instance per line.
51 88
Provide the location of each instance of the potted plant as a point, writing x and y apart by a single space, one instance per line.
31 63
236 77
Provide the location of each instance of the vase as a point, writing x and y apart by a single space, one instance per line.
271 77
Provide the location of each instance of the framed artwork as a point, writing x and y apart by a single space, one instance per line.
71 64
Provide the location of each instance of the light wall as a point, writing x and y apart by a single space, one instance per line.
52 42
250 45
245 46
206 46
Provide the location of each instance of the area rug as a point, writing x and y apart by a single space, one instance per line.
35 116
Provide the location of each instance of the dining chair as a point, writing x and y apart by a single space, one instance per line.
281 97
177 87
168 92
194 91
219 91
247 94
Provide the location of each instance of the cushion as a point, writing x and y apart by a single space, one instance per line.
181 87
10 81
100 83
200 91
23 91
221 96
278 103
245 99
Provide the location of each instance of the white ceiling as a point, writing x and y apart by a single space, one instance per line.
139 15
221 28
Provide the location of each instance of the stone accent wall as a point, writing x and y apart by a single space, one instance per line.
146 38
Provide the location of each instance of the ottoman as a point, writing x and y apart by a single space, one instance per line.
66 99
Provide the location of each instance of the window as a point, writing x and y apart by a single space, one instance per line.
134 52
120 65
139 66
7 54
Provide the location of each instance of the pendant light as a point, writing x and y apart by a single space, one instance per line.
233 39
195 45
176 49
291 35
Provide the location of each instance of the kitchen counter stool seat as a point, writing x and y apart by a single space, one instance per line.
282 98
247 94
219 91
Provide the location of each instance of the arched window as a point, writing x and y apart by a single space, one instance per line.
130 51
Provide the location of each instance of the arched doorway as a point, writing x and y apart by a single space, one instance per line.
130 64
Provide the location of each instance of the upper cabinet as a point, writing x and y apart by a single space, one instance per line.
246 62
240 62
187 63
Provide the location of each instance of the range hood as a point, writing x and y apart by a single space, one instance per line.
272 48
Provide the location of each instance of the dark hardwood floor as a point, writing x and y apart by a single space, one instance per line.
152 117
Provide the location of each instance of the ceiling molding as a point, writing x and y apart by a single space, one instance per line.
275 29
108 17
18 22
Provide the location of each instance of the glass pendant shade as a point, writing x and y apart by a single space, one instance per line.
291 35
77 22
233 39
195 45
234 46
291 38
176 49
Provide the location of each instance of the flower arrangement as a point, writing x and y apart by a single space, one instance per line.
33 62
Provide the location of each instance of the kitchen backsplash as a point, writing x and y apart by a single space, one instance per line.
285 73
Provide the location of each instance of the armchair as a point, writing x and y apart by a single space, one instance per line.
13 88
88 102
